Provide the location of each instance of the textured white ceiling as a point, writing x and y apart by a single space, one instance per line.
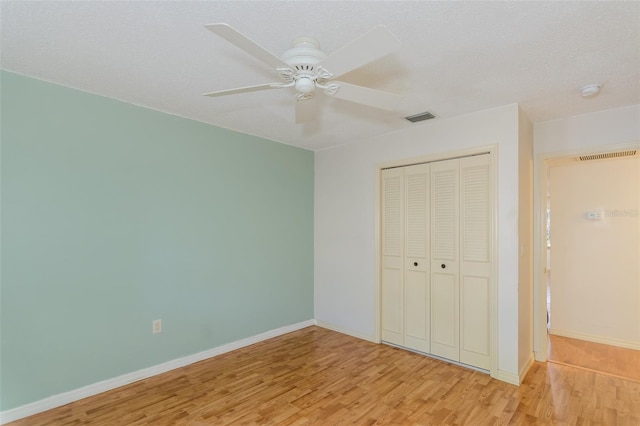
456 58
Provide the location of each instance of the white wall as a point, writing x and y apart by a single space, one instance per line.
345 223
599 131
594 130
525 232
595 279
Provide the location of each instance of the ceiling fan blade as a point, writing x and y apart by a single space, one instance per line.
372 45
306 110
245 43
365 96
244 89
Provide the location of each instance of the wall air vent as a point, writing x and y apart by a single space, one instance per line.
607 155
420 117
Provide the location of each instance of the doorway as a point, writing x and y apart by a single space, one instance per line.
589 249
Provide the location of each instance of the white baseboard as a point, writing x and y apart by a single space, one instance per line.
507 377
629 344
351 333
516 379
105 385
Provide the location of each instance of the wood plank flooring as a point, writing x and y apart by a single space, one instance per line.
613 360
319 377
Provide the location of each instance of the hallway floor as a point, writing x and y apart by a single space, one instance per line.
597 357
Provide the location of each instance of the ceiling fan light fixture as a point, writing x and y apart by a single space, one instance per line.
305 85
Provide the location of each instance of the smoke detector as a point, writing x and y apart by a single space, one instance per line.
590 90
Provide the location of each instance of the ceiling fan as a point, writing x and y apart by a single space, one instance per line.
306 68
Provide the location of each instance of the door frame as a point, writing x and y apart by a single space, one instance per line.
541 168
492 150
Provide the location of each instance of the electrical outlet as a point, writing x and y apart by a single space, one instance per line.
157 326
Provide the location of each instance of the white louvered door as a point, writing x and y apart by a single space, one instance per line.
475 260
416 264
405 257
436 258
393 256
445 291
460 263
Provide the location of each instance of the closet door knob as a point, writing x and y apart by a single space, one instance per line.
443 266
415 263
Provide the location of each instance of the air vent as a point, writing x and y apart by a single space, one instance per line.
607 155
420 117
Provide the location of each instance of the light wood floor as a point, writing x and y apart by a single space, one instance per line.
316 376
613 360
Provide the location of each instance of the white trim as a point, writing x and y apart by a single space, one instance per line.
440 156
629 344
541 163
519 378
377 338
105 385
493 286
341 330
492 150
540 347
439 358
507 377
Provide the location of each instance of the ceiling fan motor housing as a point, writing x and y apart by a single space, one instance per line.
303 56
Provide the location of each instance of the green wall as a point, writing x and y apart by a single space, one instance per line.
115 215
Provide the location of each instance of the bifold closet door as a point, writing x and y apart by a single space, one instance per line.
460 264
436 258
475 260
405 257
445 291
392 279
416 263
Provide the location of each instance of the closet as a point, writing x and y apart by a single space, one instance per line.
436 237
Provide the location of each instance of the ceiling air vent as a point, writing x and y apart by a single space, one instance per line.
420 117
608 155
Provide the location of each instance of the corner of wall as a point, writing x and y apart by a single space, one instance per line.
524 369
525 240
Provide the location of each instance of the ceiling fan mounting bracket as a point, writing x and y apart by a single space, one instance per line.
304 54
